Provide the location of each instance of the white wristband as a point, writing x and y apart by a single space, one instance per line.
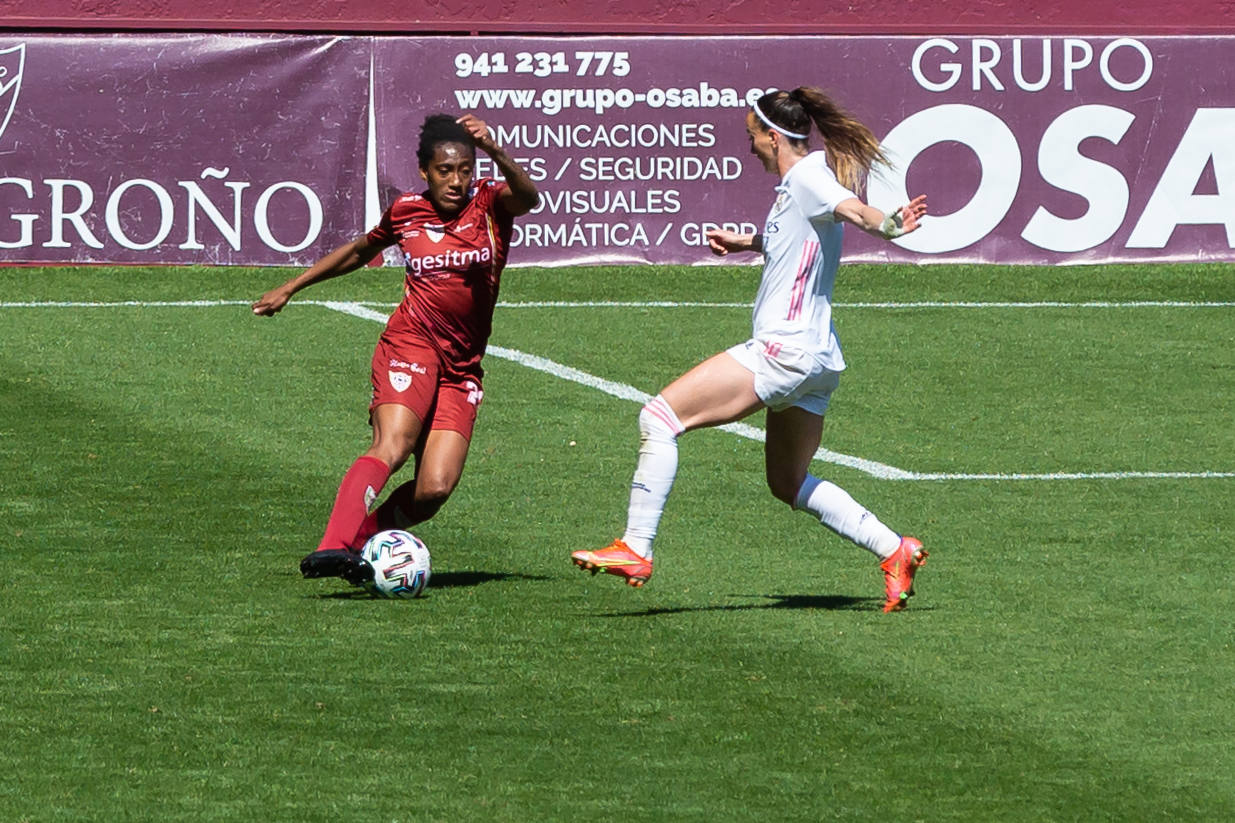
892 225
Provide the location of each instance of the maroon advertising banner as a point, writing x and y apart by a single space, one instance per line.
212 149
1031 150
243 149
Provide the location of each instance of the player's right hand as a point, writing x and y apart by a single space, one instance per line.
271 302
479 132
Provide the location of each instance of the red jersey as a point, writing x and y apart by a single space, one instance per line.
453 269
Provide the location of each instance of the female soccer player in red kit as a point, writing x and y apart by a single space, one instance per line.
426 370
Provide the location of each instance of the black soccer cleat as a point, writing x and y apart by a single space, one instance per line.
337 563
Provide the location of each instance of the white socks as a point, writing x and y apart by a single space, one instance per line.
659 428
657 468
845 516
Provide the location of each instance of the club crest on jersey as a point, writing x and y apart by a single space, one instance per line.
400 380
12 63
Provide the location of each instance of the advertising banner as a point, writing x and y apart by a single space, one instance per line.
209 149
246 149
1031 150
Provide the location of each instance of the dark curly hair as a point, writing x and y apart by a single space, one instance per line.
438 129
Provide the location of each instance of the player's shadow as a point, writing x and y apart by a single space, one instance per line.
824 602
441 580
451 580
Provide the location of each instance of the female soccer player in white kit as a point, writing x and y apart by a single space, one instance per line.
792 362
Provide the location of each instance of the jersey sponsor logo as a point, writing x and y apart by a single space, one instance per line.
400 380
412 367
456 259
12 65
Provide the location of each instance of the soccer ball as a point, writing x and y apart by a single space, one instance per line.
401 565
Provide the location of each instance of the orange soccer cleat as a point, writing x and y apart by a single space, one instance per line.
617 559
898 571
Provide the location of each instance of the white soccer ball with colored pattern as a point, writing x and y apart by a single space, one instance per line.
401 563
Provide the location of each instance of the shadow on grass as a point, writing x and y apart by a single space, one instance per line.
448 580
440 580
827 602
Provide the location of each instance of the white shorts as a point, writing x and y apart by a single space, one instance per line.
787 376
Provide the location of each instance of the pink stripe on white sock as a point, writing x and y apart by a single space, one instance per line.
663 412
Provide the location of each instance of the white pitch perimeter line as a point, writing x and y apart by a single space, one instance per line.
879 470
1077 476
1139 304
141 304
652 304
625 392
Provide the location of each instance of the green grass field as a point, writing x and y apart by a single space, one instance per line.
1068 656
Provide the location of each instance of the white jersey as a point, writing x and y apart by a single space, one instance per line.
801 251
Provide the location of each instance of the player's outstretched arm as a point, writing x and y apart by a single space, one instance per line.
344 259
888 226
521 195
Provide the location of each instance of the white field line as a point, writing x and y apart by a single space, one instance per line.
1075 476
654 304
871 467
1047 304
625 392
118 304
930 304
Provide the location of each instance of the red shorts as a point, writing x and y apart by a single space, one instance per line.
408 370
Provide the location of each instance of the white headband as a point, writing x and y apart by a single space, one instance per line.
775 127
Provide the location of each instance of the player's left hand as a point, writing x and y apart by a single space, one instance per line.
479 132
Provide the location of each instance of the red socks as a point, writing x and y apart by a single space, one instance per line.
399 511
360 487
368 528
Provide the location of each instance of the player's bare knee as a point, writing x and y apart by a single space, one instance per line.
428 505
433 491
